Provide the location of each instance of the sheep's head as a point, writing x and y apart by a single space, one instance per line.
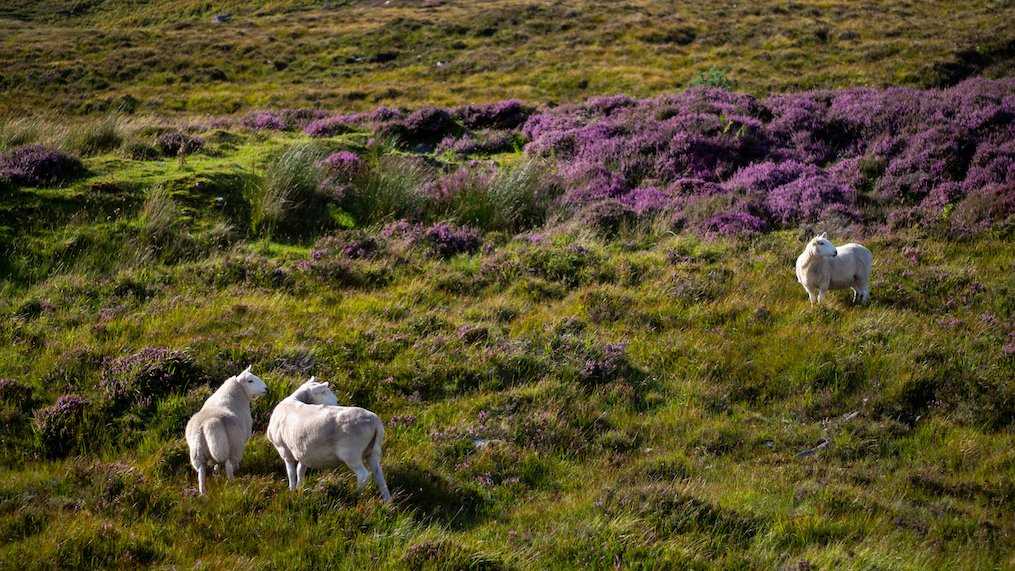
251 383
318 393
820 246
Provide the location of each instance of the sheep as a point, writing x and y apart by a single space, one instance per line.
309 429
217 434
822 267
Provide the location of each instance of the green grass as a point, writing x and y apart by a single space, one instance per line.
743 429
168 57
696 454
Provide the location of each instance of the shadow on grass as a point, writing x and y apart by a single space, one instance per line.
433 497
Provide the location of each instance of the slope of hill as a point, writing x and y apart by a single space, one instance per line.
580 325
97 56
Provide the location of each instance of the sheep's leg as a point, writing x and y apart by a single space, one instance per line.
230 469
301 473
362 474
375 467
290 471
810 294
202 472
854 294
821 295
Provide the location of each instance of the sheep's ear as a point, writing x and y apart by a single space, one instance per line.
823 235
312 380
247 370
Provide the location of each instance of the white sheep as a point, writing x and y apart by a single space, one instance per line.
822 267
218 433
309 429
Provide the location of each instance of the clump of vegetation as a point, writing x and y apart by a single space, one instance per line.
178 143
96 137
578 347
291 201
61 424
35 165
141 379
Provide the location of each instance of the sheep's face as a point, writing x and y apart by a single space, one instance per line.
252 384
820 246
320 393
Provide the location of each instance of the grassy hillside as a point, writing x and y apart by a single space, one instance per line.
568 379
85 57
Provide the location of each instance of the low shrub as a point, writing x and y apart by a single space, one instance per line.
35 165
137 381
447 240
60 425
178 143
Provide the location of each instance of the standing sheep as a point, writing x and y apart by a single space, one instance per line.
822 267
219 431
309 429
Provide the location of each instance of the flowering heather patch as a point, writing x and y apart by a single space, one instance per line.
141 378
733 223
447 240
354 246
422 129
401 230
338 171
509 114
789 159
264 121
175 143
331 126
36 165
342 162
479 142
58 425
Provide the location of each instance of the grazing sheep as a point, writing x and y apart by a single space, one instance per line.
822 267
309 429
219 431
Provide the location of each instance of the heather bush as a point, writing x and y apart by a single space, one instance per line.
14 392
509 114
446 240
331 126
264 121
35 165
137 381
422 130
479 142
339 171
354 245
855 155
178 143
60 425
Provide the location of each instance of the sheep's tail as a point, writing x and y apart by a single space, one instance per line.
215 435
373 454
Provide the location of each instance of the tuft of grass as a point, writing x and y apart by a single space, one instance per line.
290 200
390 189
95 137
